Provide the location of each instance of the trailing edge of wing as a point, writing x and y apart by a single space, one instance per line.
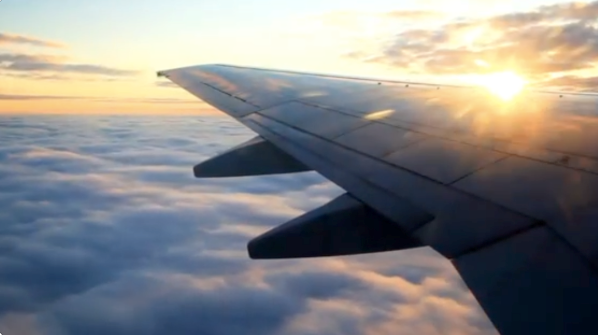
344 226
252 158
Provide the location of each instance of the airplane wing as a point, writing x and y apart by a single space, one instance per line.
506 190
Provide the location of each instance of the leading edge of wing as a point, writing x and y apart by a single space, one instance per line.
164 73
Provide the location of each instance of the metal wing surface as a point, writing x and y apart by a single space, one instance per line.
507 190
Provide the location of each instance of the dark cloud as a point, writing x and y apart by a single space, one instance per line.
21 39
11 62
103 229
234 309
550 39
318 285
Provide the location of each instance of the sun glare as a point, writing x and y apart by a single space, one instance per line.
505 85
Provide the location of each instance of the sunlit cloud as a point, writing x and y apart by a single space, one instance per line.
6 38
553 40
43 82
98 99
37 97
49 63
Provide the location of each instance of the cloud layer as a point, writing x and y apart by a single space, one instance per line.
104 230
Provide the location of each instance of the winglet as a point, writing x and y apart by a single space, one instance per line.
344 226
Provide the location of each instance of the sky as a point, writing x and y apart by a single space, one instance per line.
101 57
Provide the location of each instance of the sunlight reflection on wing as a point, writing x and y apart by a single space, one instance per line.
505 85
379 114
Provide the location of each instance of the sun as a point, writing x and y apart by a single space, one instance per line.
505 85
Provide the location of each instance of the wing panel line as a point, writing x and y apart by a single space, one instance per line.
441 133
508 221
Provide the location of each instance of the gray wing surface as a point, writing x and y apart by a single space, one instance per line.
508 191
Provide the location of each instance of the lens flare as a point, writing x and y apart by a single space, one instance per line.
505 85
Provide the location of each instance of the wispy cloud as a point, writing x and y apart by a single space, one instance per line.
152 100
50 63
6 38
37 97
25 97
574 83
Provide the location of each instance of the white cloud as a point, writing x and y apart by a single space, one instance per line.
104 230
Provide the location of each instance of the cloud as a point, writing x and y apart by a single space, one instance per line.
150 100
554 39
21 39
52 77
48 63
105 230
40 66
64 77
589 84
26 97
